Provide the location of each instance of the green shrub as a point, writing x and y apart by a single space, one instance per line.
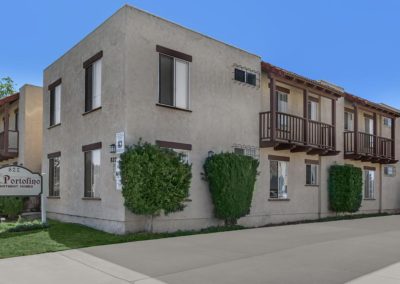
154 179
28 226
11 206
231 179
345 188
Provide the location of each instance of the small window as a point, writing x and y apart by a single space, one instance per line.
239 151
348 121
173 82
387 122
55 105
246 150
278 179
313 110
92 173
54 176
93 85
245 76
389 171
311 174
369 184
184 154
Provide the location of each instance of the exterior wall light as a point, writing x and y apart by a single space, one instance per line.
210 153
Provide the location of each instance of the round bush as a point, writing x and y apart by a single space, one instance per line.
154 179
11 206
231 179
345 188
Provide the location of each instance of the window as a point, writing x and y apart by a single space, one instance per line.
54 176
16 120
174 82
245 76
282 102
389 171
239 151
311 174
246 150
55 103
387 122
92 161
278 179
348 121
313 110
182 149
184 154
369 184
93 67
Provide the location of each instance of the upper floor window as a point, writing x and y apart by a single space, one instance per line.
55 102
348 121
387 122
173 78
245 76
313 108
93 72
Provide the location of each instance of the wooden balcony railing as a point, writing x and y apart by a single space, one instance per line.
364 146
8 144
291 129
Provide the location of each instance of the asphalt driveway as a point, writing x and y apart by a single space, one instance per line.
331 252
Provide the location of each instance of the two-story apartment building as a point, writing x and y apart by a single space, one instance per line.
21 131
149 78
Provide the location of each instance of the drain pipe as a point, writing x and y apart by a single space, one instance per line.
380 187
319 187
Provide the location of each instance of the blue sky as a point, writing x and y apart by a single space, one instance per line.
354 44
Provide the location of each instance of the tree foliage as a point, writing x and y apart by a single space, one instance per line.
231 179
6 87
154 179
345 188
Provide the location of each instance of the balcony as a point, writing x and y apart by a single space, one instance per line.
297 134
8 145
368 147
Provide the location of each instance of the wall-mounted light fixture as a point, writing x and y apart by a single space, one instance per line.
210 153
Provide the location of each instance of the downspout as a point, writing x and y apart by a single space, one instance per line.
380 188
319 187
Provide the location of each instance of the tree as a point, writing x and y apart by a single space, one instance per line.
6 87
154 180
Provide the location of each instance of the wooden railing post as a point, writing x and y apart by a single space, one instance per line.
305 115
272 106
375 139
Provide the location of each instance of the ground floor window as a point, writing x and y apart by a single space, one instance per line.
92 173
369 184
278 179
311 174
54 176
389 171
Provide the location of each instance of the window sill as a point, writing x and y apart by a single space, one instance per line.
54 125
312 185
91 198
278 199
173 107
53 197
92 110
370 199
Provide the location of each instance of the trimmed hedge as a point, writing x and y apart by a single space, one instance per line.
11 206
345 188
231 179
154 179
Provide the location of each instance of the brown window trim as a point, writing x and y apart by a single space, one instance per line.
173 107
92 110
278 158
54 155
54 125
311 162
346 109
91 147
369 168
174 53
54 84
174 145
53 197
93 59
280 89
278 199
313 99
368 116
92 198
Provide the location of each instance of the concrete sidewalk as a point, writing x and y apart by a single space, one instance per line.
331 252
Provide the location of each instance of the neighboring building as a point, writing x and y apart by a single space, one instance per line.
152 79
21 132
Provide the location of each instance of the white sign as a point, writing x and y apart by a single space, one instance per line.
118 184
120 142
19 181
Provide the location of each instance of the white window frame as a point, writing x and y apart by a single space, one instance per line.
313 110
369 185
97 74
282 194
350 122
174 82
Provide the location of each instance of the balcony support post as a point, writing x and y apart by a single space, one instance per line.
272 106
355 129
375 132
6 127
393 129
305 115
